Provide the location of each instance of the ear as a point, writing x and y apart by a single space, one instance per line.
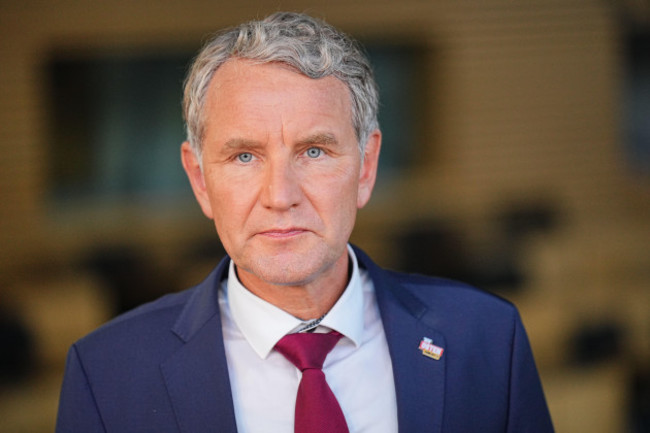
368 173
195 174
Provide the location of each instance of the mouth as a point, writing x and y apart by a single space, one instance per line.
283 233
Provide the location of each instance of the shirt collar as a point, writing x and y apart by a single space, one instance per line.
263 324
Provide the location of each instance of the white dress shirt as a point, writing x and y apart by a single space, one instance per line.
264 383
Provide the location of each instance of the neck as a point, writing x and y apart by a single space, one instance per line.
305 301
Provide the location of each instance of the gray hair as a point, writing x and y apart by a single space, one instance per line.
311 46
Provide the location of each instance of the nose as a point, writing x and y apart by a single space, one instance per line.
281 190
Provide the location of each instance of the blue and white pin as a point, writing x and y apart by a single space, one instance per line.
429 349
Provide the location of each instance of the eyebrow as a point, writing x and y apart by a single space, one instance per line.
319 138
323 138
242 143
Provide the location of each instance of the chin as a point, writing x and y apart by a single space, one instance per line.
286 274
289 269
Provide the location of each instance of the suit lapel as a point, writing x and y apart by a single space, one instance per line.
197 374
419 380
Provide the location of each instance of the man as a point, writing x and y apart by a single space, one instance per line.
282 150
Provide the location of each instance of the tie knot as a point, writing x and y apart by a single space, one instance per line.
307 350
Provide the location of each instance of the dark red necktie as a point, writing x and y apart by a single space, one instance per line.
317 410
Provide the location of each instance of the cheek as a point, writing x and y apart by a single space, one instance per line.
335 195
229 218
227 202
227 188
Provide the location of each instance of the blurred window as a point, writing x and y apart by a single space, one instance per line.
116 122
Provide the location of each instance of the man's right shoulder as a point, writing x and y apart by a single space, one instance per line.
156 319
145 321
154 327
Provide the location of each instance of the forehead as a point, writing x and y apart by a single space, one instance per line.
241 72
254 90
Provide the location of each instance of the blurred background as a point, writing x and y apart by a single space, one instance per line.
516 157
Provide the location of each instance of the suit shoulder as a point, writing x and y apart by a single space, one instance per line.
431 290
146 320
443 294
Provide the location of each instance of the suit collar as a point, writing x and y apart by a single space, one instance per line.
196 375
419 380
203 306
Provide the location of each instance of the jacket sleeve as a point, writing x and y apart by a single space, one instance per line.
78 412
528 412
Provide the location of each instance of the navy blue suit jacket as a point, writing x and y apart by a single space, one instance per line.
162 367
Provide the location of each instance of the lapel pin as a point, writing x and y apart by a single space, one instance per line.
429 349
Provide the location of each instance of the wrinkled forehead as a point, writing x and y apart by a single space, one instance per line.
240 79
243 64
251 96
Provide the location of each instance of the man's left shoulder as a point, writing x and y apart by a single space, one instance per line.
448 290
456 300
451 302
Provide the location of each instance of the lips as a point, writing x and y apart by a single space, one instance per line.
293 231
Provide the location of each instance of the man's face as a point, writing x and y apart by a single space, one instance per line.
282 173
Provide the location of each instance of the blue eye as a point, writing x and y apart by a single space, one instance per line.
314 152
245 157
